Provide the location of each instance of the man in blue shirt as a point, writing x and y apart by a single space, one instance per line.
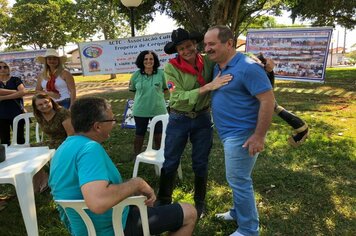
242 112
81 169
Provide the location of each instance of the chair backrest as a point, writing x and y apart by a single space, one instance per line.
164 119
80 206
25 116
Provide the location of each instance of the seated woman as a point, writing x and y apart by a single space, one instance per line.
55 123
53 119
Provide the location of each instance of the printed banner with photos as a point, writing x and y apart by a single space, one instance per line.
23 65
299 54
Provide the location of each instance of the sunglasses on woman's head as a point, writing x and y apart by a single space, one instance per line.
4 67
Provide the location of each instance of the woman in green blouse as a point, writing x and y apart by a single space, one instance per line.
149 86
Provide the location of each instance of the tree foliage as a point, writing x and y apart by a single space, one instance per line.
54 23
199 15
39 24
324 12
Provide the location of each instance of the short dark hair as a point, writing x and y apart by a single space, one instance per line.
225 33
38 115
140 58
88 110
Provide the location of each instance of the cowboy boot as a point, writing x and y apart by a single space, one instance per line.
200 184
157 141
138 143
300 127
166 186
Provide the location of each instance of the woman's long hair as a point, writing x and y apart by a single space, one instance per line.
38 115
45 74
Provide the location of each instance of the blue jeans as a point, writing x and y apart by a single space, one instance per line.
64 103
200 132
239 166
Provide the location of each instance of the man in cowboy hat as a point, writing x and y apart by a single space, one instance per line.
189 79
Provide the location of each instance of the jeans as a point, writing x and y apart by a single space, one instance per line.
239 166
64 103
200 132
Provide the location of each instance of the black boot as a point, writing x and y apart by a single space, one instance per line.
200 184
166 186
300 127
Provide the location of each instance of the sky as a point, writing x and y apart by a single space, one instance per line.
164 24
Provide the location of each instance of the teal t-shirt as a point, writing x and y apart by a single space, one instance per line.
149 97
77 161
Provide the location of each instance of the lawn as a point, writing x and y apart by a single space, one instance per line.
309 190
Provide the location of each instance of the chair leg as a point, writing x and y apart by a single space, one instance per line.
135 170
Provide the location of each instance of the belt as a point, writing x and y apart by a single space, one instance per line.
190 114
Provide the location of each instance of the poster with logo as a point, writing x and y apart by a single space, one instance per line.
299 54
23 65
129 120
119 55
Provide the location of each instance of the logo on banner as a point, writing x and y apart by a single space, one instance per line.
93 51
94 66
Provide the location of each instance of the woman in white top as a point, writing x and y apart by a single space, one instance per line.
54 80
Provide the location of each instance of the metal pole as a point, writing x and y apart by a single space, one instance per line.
132 21
344 48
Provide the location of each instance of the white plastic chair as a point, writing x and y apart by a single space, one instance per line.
26 117
152 156
80 206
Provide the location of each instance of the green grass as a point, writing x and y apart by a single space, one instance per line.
310 190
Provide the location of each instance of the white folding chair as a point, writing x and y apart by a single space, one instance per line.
152 156
79 206
26 116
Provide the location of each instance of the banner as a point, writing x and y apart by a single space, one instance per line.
23 65
119 55
299 54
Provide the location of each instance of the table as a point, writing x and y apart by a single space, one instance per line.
21 164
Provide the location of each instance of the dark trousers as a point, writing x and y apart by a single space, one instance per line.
200 132
6 127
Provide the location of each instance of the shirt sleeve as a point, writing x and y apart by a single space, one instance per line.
17 81
179 94
256 80
132 84
91 164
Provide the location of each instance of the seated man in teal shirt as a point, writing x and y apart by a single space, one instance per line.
81 169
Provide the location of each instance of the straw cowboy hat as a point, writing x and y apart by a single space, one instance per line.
51 53
180 35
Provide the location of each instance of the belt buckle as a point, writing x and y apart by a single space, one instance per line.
191 114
